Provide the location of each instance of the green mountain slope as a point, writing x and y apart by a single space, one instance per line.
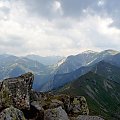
107 70
102 68
103 95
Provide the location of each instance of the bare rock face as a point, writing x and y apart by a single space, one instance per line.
55 114
16 92
12 113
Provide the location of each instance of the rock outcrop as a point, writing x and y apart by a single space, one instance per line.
19 102
16 92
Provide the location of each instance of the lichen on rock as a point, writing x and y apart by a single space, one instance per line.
15 91
12 113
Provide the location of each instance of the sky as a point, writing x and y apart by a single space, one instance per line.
58 27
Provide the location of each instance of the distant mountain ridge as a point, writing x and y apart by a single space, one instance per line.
84 59
12 66
48 60
76 65
102 68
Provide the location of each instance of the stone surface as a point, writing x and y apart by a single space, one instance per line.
15 91
79 106
37 105
36 96
56 103
55 114
74 105
12 114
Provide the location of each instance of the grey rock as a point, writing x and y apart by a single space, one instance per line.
74 105
16 91
79 106
12 114
55 114
37 105
56 103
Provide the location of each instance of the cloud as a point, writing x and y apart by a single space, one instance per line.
57 7
57 27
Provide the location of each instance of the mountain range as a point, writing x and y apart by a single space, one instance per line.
48 60
55 71
12 66
49 70
95 75
74 66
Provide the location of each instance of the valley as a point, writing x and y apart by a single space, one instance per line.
94 75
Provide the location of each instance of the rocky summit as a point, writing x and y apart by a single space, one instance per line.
19 102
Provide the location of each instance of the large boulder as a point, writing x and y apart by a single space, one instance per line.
55 114
12 114
16 91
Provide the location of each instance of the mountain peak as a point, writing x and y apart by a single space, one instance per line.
110 51
88 51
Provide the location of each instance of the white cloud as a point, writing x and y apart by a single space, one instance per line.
57 8
22 33
4 4
101 2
